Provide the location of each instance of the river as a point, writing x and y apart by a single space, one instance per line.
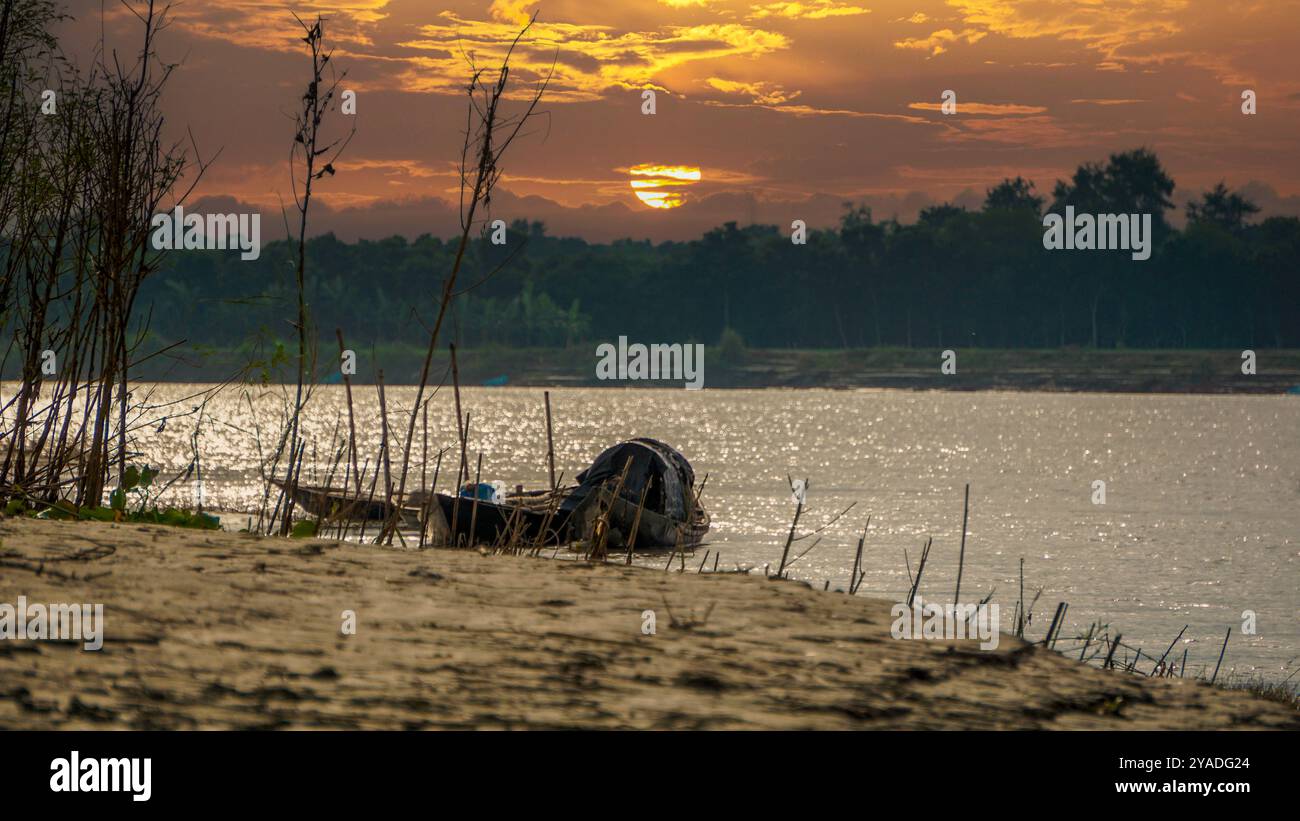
1200 523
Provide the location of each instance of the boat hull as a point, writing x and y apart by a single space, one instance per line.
654 531
468 521
336 505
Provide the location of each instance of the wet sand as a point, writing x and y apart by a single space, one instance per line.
212 630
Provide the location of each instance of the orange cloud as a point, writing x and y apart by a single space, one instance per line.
1038 131
589 60
814 111
938 42
268 23
1106 27
995 109
807 10
512 11
760 92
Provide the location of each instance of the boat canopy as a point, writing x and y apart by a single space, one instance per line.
655 465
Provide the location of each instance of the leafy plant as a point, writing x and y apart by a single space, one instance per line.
135 481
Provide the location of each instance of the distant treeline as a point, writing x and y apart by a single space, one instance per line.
953 278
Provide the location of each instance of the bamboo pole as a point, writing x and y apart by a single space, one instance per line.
473 511
600 535
460 471
550 440
636 523
430 500
1020 612
1050 639
463 476
789 539
383 442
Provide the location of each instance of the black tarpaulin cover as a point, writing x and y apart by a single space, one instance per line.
654 464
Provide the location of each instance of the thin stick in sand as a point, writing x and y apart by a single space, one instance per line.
920 568
365 509
1221 652
551 507
961 557
1114 645
1087 641
854 578
1168 649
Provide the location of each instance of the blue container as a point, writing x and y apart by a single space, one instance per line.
483 491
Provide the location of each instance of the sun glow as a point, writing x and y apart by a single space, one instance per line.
655 185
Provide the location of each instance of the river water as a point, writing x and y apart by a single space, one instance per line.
1200 523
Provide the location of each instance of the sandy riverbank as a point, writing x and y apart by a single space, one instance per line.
222 630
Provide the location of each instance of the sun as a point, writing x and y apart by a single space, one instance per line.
657 185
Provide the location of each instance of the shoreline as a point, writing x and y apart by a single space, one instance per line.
218 630
1054 370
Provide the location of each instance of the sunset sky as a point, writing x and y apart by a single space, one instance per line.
766 111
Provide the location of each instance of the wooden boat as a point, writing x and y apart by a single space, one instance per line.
654 531
640 469
521 517
333 504
639 485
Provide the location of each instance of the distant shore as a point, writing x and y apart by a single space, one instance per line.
1061 370
218 630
